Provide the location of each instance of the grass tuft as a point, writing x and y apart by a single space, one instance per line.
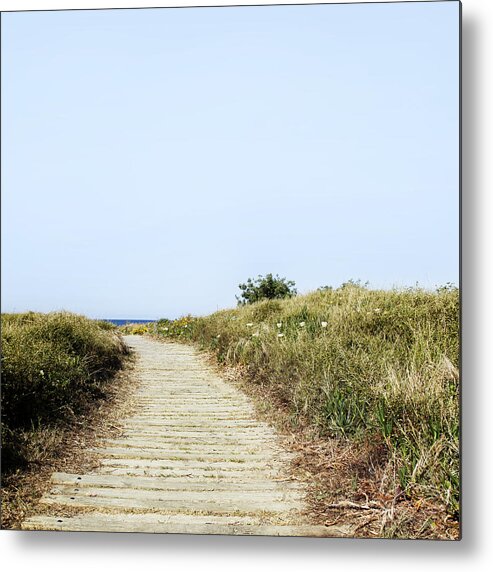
52 365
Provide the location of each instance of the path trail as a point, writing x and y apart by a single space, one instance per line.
192 458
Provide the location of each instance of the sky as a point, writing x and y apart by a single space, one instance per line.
154 159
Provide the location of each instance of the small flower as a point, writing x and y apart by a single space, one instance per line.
255 335
302 324
166 329
249 325
41 372
218 336
324 324
377 310
280 335
186 325
279 324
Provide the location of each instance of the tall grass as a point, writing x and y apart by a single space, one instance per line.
356 364
52 366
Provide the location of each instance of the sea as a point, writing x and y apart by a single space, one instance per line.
129 321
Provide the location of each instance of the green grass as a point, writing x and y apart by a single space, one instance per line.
53 365
356 364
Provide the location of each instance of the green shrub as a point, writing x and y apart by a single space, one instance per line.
265 288
51 365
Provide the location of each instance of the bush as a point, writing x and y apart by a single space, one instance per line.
268 287
52 365
105 325
135 329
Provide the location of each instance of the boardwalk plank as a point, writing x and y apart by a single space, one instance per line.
169 525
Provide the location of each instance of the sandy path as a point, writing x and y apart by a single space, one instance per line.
192 458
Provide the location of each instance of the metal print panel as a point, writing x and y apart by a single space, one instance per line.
230 270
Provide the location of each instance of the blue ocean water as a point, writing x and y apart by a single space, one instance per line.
123 322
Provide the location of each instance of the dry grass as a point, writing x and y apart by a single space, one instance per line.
67 448
348 483
373 374
53 365
58 379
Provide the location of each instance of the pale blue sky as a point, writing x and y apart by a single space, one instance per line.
154 159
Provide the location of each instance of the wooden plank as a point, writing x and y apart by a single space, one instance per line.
187 464
232 405
165 395
181 429
169 426
164 524
249 506
209 474
186 445
195 417
183 416
219 496
199 434
189 400
209 447
178 455
209 413
185 397
191 408
240 439
198 405
170 483
249 431
187 422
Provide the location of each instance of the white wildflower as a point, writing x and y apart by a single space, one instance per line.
249 325
302 324
377 310
256 335
279 324
324 324
280 335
